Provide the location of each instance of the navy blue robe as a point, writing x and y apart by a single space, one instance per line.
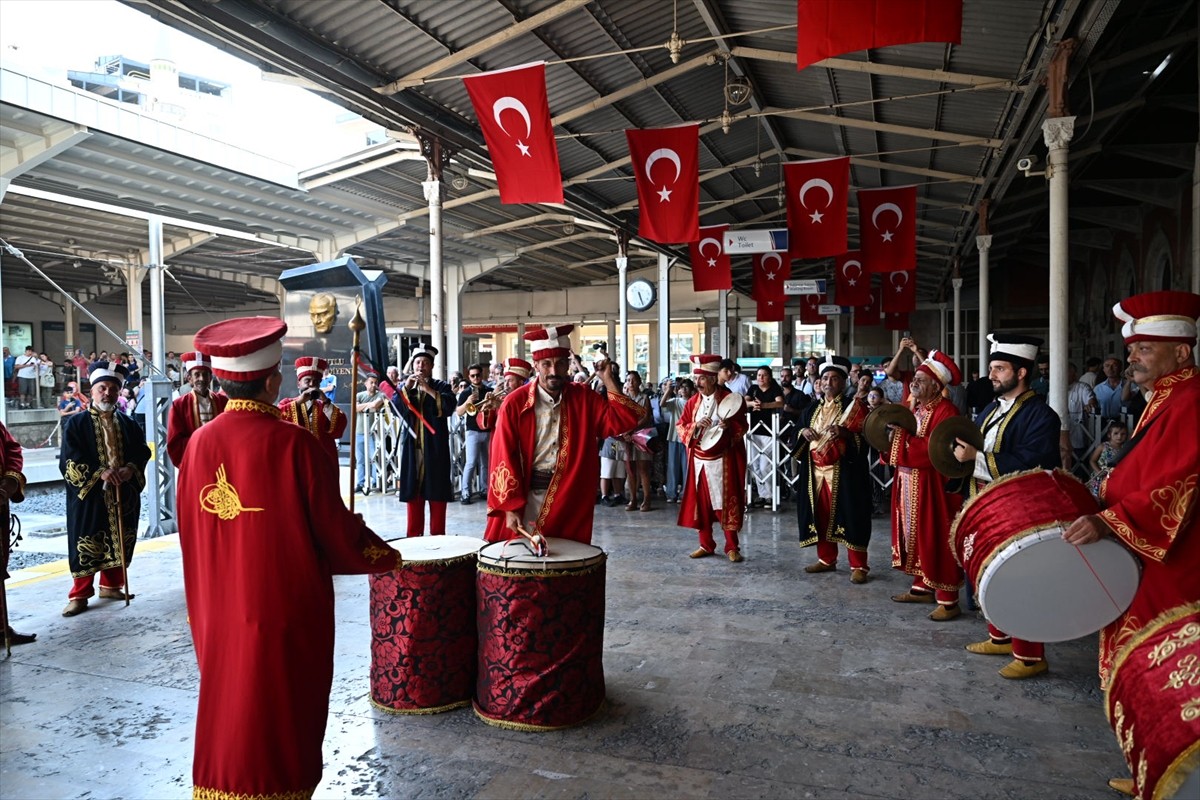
1027 437
424 456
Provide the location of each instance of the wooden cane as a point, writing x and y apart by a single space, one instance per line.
6 531
121 543
356 325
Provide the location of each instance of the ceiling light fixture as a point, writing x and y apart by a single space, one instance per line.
568 228
675 44
459 182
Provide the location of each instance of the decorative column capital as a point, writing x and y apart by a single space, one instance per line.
435 191
984 243
956 283
1058 132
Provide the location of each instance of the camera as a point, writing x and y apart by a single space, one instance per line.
1027 163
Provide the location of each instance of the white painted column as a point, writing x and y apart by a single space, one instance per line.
70 323
519 348
133 275
723 323
1195 223
664 316
433 196
942 338
957 322
837 335
1057 133
622 354
851 333
452 355
984 243
611 337
158 336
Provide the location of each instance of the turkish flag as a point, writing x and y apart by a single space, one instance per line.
666 164
809 312
896 321
515 117
887 228
817 195
710 264
899 292
869 314
769 272
827 28
853 282
770 310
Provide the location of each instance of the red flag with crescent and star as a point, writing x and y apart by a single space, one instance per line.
666 165
711 269
515 118
818 193
868 314
770 310
852 281
810 312
896 321
887 228
827 28
769 272
899 292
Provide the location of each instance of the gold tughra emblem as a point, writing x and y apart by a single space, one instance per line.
77 473
221 498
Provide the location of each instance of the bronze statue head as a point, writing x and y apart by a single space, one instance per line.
322 310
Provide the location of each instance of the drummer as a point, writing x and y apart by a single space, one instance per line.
715 489
922 506
1151 497
1020 432
543 457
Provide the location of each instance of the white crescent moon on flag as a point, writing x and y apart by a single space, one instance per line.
767 256
819 183
886 207
670 155
511 103
703 242
848 264
893 278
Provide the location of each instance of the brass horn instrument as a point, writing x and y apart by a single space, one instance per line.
490 401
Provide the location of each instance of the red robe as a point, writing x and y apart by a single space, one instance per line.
1152 504
262 532
925 510
184 420
586 418
327 429
694 511
12 460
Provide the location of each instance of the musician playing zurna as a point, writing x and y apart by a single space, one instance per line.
424 404
544 465
311 410
1151 502
922 507
1020 432
713 428
834 487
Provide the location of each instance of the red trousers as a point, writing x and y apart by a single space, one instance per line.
827 551
943 596
82 588
416 518
1025 651
710 544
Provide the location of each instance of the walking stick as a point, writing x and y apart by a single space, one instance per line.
356 324
6 531
121 543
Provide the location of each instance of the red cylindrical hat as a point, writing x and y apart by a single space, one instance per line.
518 367
243 348
311 365
1159 317
551 342
705 364
941 368
194 360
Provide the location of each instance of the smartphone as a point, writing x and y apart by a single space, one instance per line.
906 335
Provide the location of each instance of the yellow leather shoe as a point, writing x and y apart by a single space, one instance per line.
1122 785
946 613
858 576
699 553
1018 670
75 607
736 556
113 594
820 566
913 597
990 648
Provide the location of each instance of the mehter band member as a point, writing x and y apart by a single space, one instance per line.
314 412
424 405
196 408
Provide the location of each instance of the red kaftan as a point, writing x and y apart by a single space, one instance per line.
262 531
184 420
695 508
586 418
1152 504
327 429
922 510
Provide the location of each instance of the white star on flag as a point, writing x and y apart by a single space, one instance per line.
816 217
899 290
887 236
524 148
664 195
851 282
712 262
770 276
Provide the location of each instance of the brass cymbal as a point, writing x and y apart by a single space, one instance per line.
941 446
875 427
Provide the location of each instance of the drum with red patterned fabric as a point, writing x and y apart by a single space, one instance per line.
423 627
541 634
1153 705
1029 582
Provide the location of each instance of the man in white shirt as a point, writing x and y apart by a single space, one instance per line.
731 377
27 371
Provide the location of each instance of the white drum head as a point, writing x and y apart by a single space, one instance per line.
436 548
564 554
1041 589
729 406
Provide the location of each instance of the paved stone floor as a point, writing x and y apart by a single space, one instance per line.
724 681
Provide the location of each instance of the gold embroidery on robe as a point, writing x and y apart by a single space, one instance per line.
221 498
373 553
1188 634
1172 503
503 483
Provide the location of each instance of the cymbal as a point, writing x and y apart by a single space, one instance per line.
875 427
941 446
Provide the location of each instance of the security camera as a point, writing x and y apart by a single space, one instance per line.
1027 163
